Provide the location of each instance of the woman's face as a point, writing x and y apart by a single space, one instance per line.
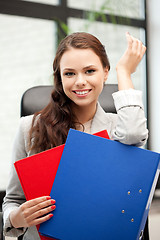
82 76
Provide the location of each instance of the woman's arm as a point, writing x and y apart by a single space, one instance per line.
14 193
19 213
129 62
130 126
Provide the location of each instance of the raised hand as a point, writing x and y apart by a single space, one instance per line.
33 212
129 61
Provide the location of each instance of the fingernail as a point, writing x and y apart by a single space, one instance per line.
53 207
53 201
49 197
50 215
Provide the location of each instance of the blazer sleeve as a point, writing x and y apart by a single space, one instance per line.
14 193
130 125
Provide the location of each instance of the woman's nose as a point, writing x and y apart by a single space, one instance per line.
80 80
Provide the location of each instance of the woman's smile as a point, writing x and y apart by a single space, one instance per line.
82 92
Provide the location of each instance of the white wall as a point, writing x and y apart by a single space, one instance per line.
27 49
154 72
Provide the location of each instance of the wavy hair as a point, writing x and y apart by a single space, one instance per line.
50 126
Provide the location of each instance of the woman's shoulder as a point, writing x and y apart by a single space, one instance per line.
26 123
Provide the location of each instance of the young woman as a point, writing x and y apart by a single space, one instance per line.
81 68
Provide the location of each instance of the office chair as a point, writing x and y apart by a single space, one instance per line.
36 98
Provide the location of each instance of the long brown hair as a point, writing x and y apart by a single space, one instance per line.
50 126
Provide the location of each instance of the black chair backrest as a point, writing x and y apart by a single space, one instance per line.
36 98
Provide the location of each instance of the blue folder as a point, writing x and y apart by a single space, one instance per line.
103 190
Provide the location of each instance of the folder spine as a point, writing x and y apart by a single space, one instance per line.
149 201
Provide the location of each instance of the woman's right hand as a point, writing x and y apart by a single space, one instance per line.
33 212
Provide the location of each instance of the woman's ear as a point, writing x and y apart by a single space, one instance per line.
106 73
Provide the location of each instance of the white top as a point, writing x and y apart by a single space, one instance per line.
86 127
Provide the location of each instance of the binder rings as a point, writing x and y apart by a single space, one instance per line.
102 188
37 172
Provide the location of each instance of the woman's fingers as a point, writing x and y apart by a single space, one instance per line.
38 221
129 40
135 46
33 211
40 216
40 212
36 201
35 204
41 205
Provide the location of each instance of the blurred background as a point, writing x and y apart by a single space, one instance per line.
29 34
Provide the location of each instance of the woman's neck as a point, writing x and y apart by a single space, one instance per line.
85 113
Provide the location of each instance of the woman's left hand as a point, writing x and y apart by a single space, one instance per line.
132 56
129 62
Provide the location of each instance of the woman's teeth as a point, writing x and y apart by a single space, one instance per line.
81 92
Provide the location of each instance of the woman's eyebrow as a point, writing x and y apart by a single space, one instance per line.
67 69
72 69
89 66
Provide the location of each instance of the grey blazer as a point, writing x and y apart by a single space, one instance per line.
127 126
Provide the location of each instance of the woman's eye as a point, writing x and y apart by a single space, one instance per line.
69 74
90 71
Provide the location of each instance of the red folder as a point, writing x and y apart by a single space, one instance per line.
37 172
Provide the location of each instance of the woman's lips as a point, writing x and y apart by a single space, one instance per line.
82 93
